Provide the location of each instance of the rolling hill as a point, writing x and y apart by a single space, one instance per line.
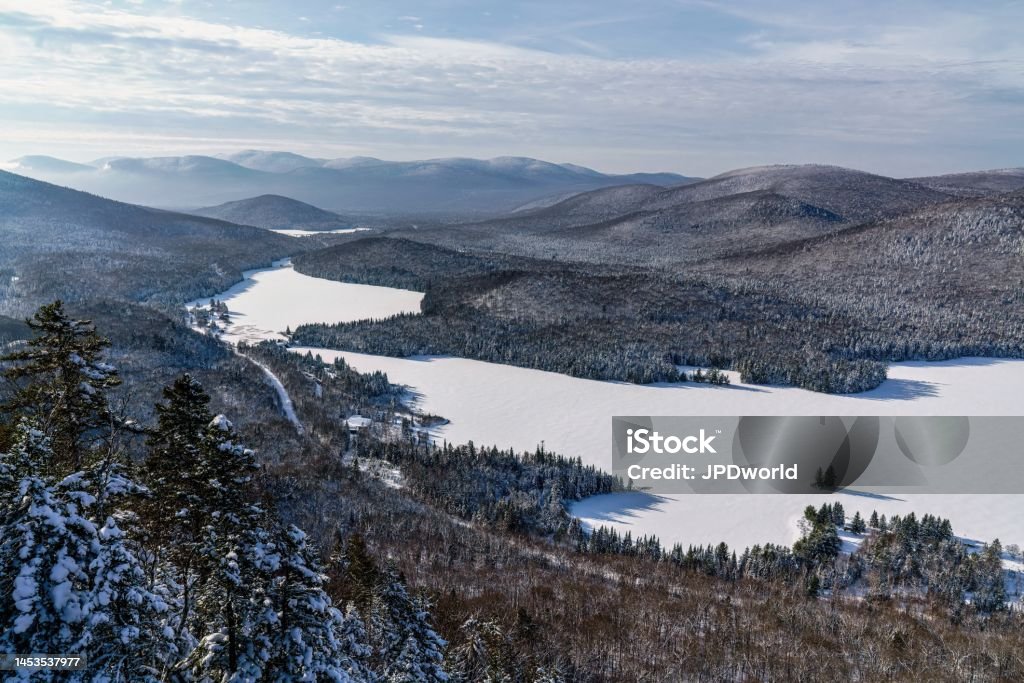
740 210
275 212
960 259
853 195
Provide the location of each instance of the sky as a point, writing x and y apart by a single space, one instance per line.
692 86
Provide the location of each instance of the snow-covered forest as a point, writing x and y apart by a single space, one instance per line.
169 550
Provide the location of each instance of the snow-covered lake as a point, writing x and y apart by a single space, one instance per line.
291 232
269 300
509 406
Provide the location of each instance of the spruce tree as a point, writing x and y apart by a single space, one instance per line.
406 646
308 638
229 555
71 572
990 587
482 655
360 574
61 382
178 508
838 514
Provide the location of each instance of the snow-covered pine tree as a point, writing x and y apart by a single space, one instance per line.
989 582
178 509
61 381
230 559
483 655
308 638
405 644
75 583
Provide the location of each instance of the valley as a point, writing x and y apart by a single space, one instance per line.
440 389
511 342
502 405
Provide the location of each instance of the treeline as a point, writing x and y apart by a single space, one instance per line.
515 492
589 352
910 556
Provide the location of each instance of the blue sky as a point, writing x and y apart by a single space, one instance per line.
694 86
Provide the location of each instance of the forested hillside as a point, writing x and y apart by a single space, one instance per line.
784 292
63 243
627 324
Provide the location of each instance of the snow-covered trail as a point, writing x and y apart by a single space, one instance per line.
287 407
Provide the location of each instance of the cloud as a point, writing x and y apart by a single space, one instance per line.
844 95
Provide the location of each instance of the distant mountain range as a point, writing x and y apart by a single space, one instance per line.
352 185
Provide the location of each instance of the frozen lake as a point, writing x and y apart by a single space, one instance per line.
269 300
291 232
509 406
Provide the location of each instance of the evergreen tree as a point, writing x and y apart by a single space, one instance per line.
873 522
830 479
308 638
231 557
406 645
360 574
482 655
990 587
838 514
857 525
61 382
178 509
74 582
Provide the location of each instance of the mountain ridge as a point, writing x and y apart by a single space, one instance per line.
455 185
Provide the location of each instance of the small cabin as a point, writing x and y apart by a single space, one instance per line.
358 423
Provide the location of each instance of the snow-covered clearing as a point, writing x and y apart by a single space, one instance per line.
306 233
269 300
500 404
